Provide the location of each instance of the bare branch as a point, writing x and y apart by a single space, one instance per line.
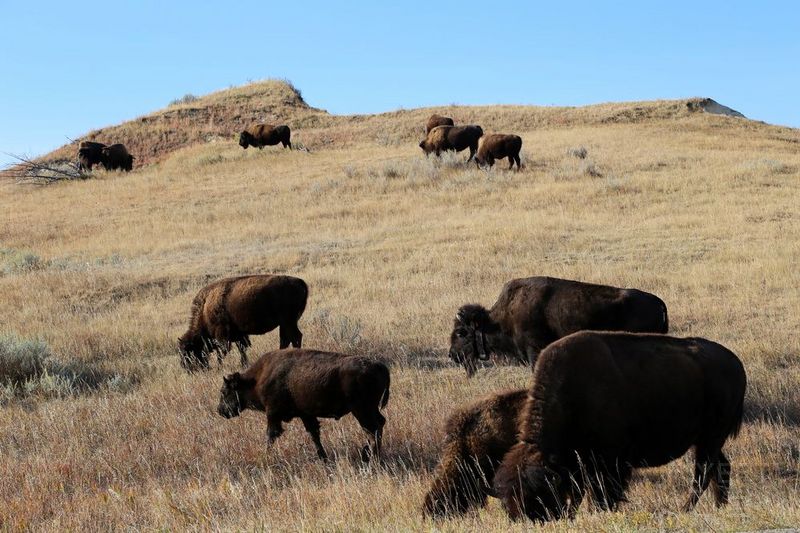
30 171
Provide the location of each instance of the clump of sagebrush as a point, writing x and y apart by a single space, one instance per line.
29 369
20 261
578 151
343 331
187 98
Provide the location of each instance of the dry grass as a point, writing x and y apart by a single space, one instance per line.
701 210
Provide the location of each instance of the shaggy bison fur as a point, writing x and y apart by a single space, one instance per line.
603 403
230 310
476 439
116 157
437 120
530 313
498 146
458 138
261 135
90 153
308 385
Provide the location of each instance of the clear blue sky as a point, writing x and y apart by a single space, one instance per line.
69 67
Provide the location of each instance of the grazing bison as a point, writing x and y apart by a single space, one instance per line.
530 313
604 403
498 146
117 156
437 120
443 138
228 311
261 135
476 439
306 384
90 153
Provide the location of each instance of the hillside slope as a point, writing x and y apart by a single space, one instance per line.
697 208
220 116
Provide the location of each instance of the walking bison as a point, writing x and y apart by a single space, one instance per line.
309 385
116 157
261 135
604 403
437 120
458 138
499 146
530 313
230 310
476 439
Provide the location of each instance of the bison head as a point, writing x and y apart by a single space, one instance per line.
245 139
468 340
235 388
425 147
526 484
194 354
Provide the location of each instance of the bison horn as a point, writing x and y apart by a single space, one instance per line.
481 342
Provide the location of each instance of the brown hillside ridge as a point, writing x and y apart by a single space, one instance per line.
221 115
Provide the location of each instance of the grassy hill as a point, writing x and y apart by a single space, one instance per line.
700 209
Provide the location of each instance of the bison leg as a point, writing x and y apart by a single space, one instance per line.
472 150
721 484
510 162
516 159
290 334
704 463
274 429
242 347
312 426
372 422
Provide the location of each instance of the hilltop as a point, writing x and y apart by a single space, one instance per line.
97 277
221 115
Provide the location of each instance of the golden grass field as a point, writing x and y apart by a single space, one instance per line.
699 209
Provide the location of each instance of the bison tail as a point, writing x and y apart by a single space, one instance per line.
666 317
738 417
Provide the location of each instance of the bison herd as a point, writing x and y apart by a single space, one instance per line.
441 135
611 392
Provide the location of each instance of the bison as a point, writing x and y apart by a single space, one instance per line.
261 135
476 439
90 153
498 146
307 384
458 138
228 311
116 157
604 403
437 120
530 313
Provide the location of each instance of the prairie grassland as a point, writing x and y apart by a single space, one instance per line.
701 210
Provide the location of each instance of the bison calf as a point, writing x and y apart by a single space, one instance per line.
530 313
230 310
498 146
308 385
443 138
437 120
476 439
261 135
603 403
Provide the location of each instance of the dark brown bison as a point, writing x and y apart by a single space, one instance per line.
604 403
306 384
230 310
443 138
90 153
437 120
261 135
116 157
498 146
530 313
476 439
